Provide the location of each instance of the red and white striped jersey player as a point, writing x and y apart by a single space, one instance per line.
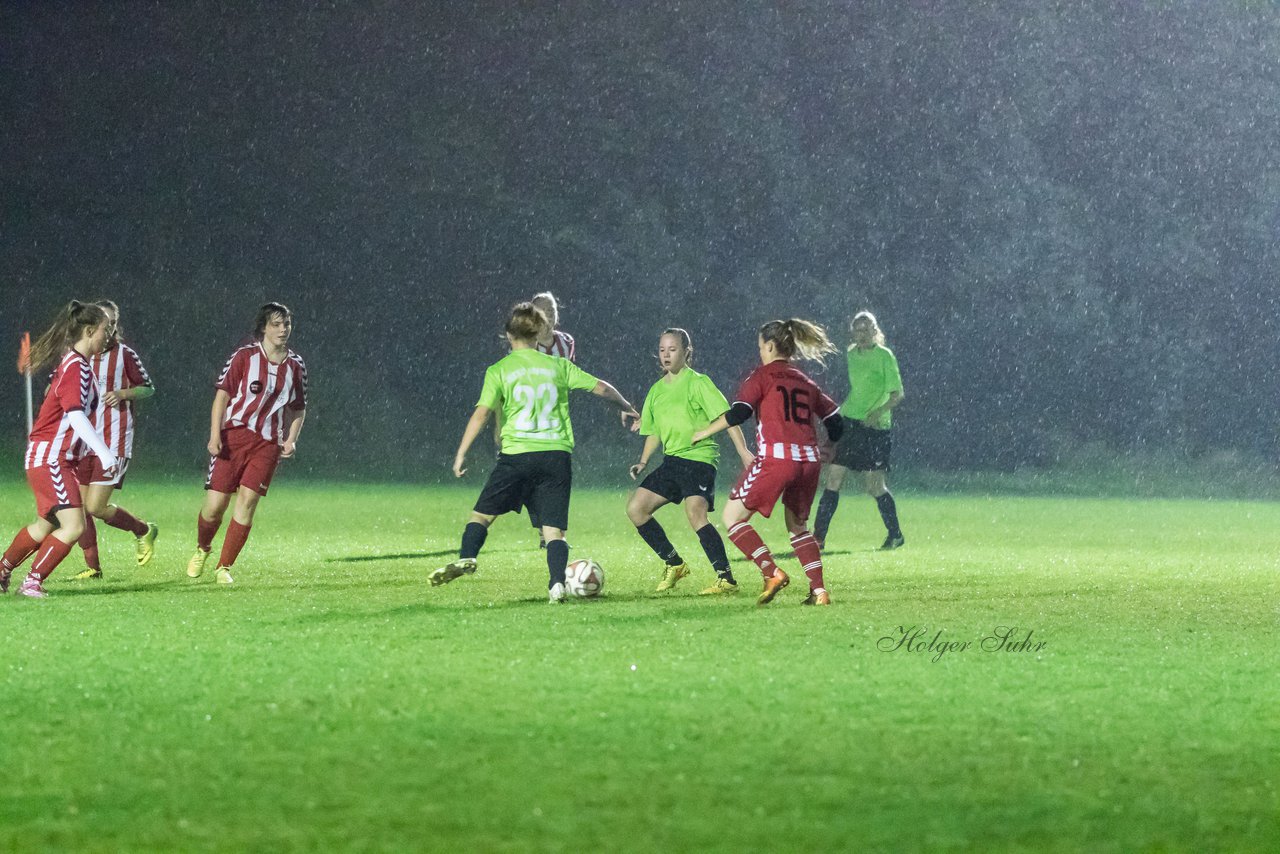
257 414
121 380
784 401
57 441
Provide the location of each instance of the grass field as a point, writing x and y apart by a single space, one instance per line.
331 699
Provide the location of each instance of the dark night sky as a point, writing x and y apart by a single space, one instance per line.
1065 218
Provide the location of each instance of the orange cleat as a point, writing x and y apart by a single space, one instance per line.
772 585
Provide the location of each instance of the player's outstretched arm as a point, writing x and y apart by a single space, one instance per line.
611 394
740 444
86 433
474 426
216 415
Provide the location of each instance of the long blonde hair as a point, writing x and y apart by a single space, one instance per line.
879 336
68 328
796 337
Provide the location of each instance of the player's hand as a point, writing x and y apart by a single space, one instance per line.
459 466
112 398
215 446
747 460
636 469
630 413
698 437
109 466
288 449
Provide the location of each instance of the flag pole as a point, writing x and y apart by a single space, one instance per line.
24 368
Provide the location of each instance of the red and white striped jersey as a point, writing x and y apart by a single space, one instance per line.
561 345
784 400
116 369
71 389
261 390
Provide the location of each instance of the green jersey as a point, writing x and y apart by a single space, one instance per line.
532 391
674 411
873 373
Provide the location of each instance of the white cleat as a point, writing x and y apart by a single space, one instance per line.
224 575
556 594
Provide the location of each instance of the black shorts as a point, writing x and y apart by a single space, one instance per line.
677 479
863 448
538 480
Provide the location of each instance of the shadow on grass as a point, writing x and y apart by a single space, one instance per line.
453 552
163 586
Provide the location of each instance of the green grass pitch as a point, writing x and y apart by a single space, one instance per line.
332 700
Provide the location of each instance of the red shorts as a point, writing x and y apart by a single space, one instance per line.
246 460
55 486
89 471
769 479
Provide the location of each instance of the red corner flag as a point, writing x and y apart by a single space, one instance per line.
24 354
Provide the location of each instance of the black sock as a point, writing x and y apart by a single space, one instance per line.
889 513
651 532
472 539
714 547
557 560
826 509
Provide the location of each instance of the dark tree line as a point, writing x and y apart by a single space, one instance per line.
1064 214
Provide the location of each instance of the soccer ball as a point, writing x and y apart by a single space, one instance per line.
584 578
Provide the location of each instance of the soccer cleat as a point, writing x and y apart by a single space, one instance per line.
31 587
223 575
195 566
816 598
445 574
555 595
772 585
146 547
88 574
721 587
891 542
671 576
5 574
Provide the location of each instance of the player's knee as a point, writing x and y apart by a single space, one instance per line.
637 513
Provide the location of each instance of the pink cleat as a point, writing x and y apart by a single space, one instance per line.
31 587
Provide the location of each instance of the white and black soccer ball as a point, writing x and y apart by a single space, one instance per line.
584 578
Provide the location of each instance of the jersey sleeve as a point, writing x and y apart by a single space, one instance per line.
232 373
299 400
892 377
74 388
134 372
710 400
570 347
823 405
576 378
491 391
751 392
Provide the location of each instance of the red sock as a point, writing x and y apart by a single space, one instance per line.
205 532
89 542
749 543
234 542
19 550
806 548
51 553
126 521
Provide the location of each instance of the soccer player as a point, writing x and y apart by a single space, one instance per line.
259 405
121 380
875 388
784 401
58 436
535 467
679 403
554 341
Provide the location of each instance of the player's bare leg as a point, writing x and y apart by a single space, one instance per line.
640 509
742 535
